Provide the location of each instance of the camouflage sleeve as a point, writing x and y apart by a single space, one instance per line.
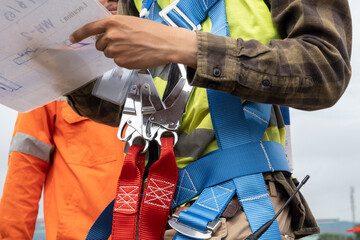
309 68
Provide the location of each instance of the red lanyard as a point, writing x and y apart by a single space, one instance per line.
157 198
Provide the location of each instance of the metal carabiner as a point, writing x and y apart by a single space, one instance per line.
135 135
191 232
127 113
161 131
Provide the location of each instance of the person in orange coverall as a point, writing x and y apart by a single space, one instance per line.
76 160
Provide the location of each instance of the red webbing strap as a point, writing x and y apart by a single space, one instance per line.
158 194
127 198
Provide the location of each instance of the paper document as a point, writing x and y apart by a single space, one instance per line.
37 62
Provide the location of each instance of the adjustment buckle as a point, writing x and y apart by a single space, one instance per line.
212 227
164 14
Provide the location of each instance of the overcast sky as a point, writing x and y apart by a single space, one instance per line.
326 145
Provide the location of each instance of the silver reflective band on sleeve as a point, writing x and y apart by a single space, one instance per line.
194 143
61 99
27 144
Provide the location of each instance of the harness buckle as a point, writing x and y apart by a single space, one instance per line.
212 227
164 14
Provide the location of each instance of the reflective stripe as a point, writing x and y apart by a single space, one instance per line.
161 72
61 99
194 144
27 144
275 119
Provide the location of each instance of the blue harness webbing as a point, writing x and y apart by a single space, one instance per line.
102 227
241 158
238 164
234 140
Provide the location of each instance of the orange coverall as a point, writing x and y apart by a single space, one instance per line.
77 161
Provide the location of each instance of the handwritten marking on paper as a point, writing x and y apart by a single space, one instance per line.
7 85
37 56
42 27
25 56
78 45
15 8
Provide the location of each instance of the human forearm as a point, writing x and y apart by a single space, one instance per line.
136 43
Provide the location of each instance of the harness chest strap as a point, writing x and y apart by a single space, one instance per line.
156 200
158 193
126 206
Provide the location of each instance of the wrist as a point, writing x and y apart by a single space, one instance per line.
184 47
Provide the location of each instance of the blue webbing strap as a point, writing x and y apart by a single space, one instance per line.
253 113
257 210
199 11
254 199
102 227
225 126
228 135
285 112
230 163
209 206
154 12
218 19
225 164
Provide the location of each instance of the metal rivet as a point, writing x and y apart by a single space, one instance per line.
216 72
211 85
266 82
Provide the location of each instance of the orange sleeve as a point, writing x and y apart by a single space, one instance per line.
26 175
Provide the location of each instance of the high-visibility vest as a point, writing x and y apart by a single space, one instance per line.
196 135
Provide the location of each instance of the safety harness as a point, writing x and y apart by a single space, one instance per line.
235 168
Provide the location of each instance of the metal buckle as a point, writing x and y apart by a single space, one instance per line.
172 6
212 227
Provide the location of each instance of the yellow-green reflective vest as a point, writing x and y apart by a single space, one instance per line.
248 19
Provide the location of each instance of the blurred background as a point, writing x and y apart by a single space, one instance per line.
325 145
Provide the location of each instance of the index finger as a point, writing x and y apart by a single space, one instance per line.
88 30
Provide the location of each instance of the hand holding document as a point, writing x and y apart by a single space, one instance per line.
37 61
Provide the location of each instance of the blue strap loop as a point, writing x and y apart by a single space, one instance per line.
256 203
209 206
225 164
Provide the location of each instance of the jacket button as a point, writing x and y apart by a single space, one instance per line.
266 83
216 72
212 85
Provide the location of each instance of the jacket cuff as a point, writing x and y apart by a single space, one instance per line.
216 62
